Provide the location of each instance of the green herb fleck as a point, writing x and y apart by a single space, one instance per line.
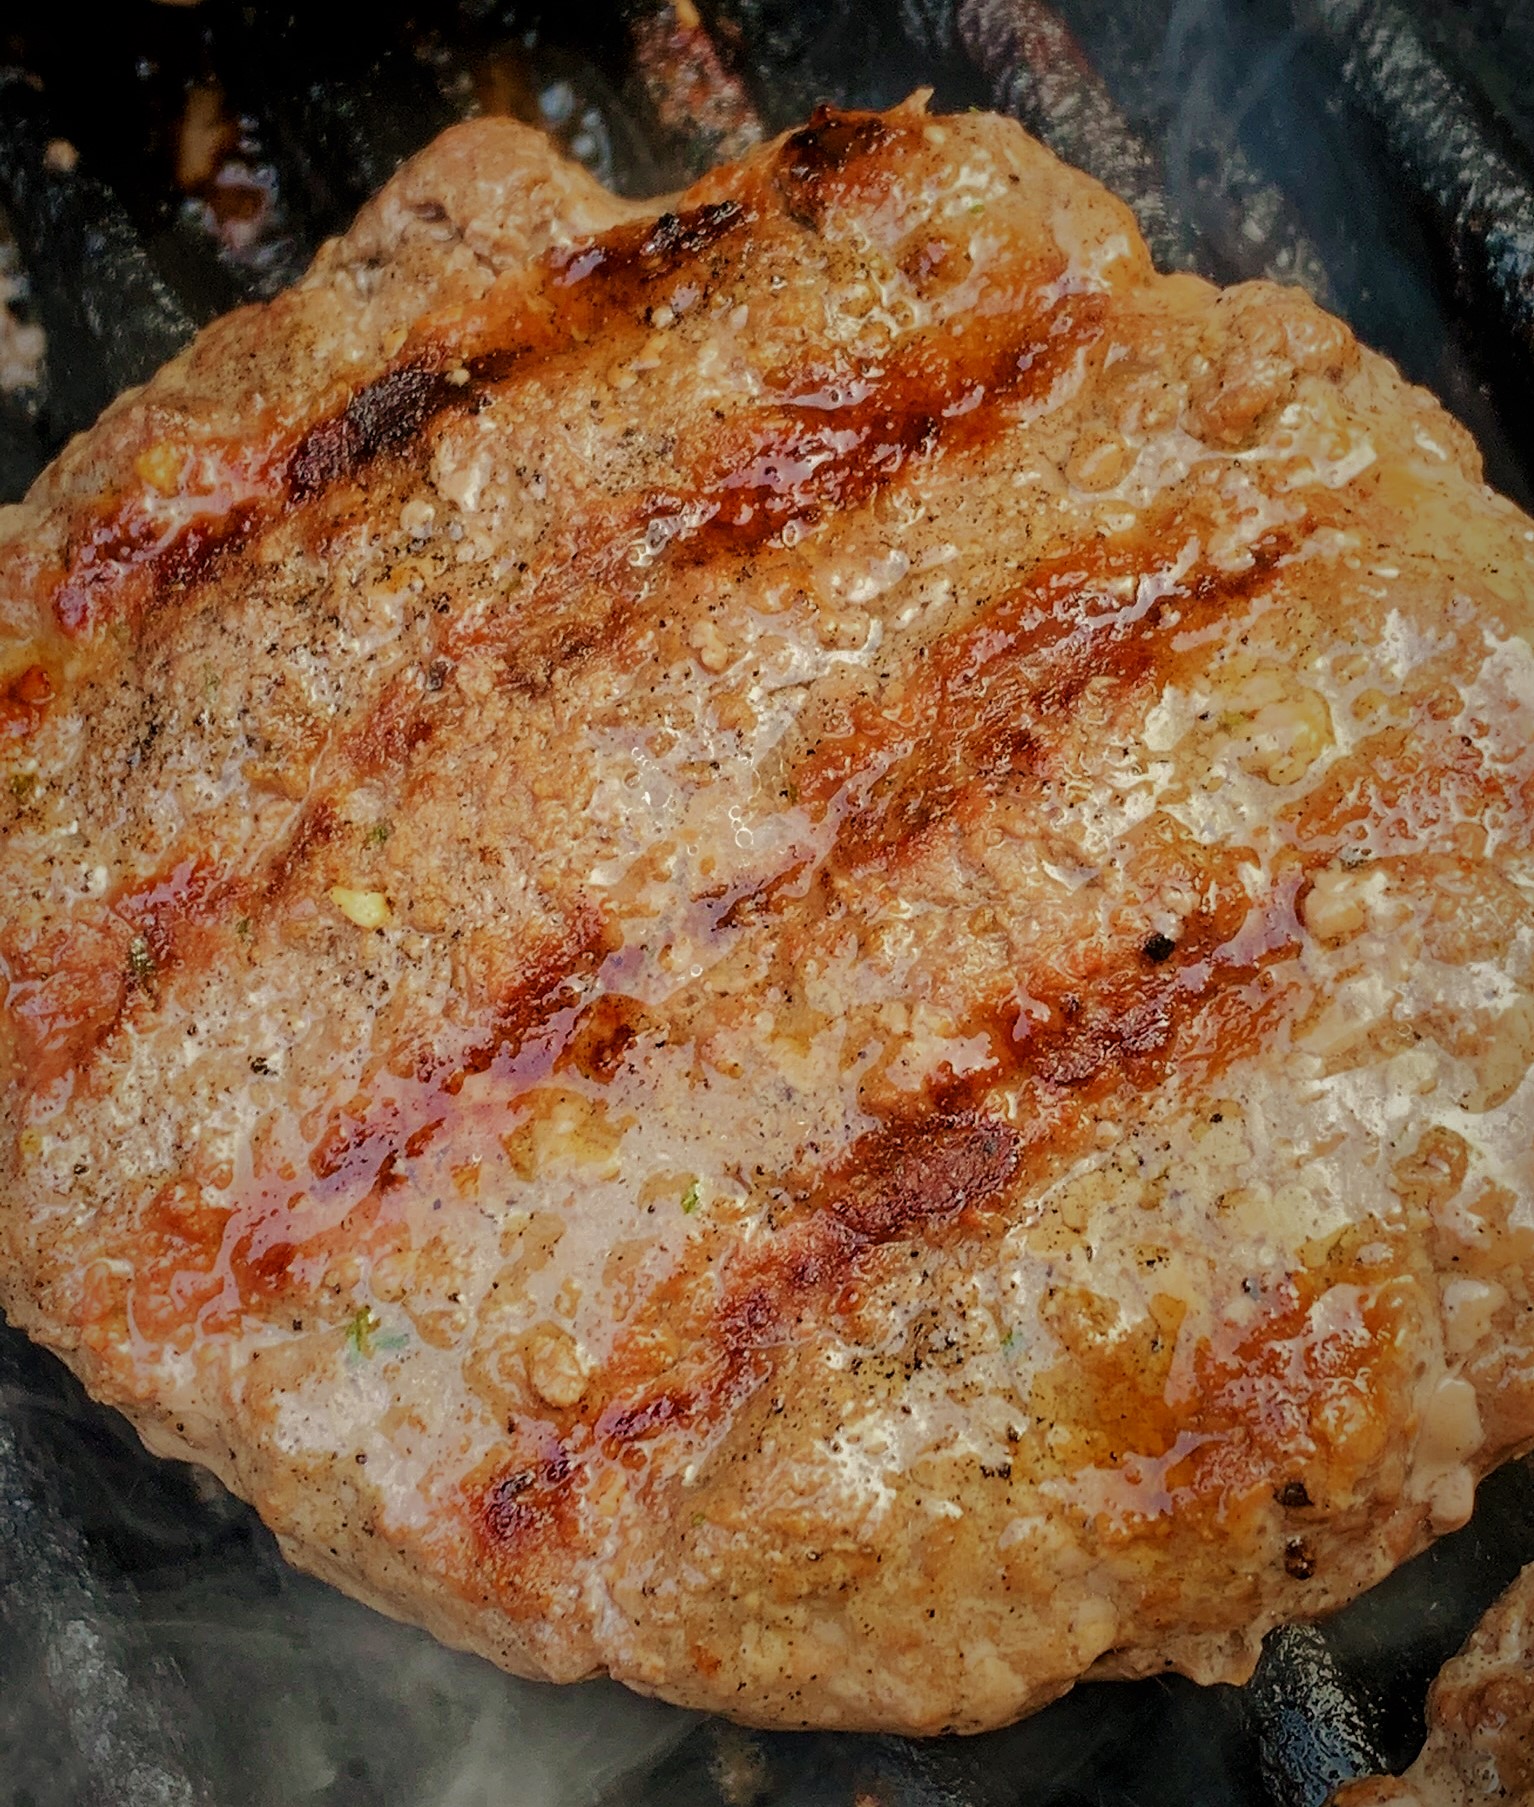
974 205
22 785
362 1327
365 1334
1009 1341
690 1199
379 833
242 928
142 964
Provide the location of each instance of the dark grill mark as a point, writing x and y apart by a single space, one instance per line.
363 1147
816 163
979 713
537 1016
604 1034
1126 1029
198 547
531 1505
804 457
633 1423
387 415
98 558
316 828
622 266
383 416
191 893
898 1179
71 991
129 544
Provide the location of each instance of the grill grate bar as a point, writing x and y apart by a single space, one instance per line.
1039 74
126 1710
110 317
338 125
1148 58
1472 175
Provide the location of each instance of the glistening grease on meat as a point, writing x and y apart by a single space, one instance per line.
782 941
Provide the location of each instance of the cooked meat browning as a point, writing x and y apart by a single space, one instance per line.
785 945
1480 1740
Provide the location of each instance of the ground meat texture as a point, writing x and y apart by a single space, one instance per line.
782 940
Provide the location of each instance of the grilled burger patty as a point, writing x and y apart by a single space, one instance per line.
782 942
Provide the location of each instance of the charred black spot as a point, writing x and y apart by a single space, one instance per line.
383 416
814 158
621 264
603 1036
486 368
1298 1560
630 1424
522 1500
1293 1496
1158 948
675 237
909 1173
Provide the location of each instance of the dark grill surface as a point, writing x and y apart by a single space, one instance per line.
161 163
